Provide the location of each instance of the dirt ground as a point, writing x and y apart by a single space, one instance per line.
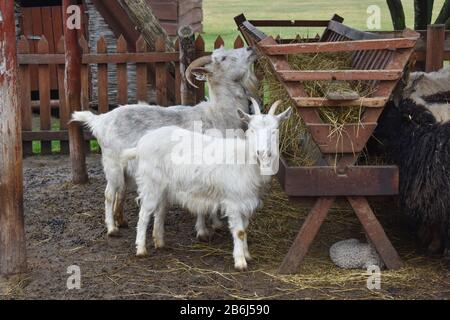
64 227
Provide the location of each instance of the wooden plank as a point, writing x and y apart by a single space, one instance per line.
377 102
165 10
62 135
435 47
64 112
375 232
29 32
160 68
177 76
306 235
102 78
57 31
289 23
297 48
12 233
350 33
325 181
238 43
122 74
108 58
141 72
341 75
351 139
44 96
218 42
199 51
47 29
23 46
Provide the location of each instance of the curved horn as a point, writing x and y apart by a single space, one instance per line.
274 107
256 106
200 62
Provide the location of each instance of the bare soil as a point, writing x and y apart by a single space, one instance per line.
64 227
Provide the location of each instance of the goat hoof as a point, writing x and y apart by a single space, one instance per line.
203 237
242 267
114 233
141 253
248 257
159 244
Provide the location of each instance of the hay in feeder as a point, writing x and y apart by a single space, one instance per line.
273 90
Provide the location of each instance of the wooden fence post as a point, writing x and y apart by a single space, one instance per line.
435 47
12 235
187 56
199 51
73 85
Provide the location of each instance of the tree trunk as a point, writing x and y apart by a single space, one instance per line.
397 14
142 15
423 11
444 15
12 235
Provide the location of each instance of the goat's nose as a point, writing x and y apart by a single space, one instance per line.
249 49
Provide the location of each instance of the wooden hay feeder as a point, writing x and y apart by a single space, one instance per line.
380 61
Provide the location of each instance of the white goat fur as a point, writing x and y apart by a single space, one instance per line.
230 78
421 84
202 188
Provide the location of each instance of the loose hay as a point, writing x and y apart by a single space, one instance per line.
272 90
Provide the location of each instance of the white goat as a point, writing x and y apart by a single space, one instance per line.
431 90
231 80
203 186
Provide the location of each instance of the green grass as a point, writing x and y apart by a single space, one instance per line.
56 145
218 15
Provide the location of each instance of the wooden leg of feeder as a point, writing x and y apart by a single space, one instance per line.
375 232
306 235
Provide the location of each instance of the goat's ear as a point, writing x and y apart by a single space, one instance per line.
243 116
200 73
285 115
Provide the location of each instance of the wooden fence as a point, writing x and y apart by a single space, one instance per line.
44 121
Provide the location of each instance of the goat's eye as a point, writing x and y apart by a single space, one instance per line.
224 58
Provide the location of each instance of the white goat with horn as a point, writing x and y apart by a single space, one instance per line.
229 173
231 79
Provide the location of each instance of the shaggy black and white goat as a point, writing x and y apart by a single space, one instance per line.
420 146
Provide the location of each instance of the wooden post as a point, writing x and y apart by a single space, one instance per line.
435 47
12 234
73 91
187 55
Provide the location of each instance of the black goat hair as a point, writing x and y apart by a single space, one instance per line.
420 147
